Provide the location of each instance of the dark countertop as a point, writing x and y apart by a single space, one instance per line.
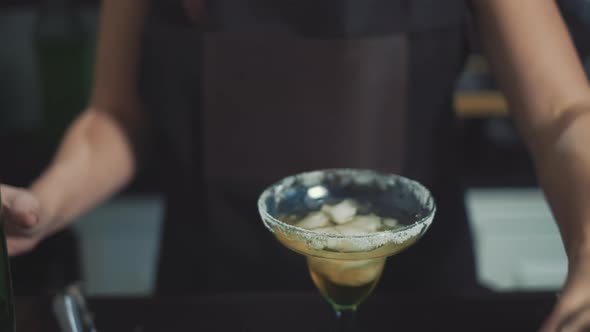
301 312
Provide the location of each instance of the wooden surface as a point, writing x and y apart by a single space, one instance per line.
480 104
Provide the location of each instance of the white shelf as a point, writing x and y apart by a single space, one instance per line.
517 243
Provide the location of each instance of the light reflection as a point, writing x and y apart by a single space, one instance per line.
316 192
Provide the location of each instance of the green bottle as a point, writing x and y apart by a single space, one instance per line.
7 320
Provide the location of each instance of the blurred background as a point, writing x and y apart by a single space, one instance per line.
45 72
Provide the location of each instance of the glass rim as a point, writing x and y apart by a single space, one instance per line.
262 207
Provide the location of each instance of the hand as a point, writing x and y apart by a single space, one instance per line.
23 223
572 311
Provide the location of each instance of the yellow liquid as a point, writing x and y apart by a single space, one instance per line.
299 245
344 274
345 284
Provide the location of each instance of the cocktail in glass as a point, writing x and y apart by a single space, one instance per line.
346 222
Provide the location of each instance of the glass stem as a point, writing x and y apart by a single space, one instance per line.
345 320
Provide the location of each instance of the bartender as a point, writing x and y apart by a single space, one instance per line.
230 96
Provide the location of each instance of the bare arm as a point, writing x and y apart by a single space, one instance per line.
538 69
96 156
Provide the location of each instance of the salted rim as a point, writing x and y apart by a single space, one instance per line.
262 207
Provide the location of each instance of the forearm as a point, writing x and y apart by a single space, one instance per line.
542 77
562 158
96 157
94 160
538 69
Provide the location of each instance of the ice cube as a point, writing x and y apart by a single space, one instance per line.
341 212
368 223
314 220
360 225
390 223
336 244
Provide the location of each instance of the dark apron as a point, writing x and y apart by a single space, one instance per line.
263 89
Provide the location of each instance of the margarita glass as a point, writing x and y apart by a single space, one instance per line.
346 222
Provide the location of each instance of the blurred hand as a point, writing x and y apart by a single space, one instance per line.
23 223
572 311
